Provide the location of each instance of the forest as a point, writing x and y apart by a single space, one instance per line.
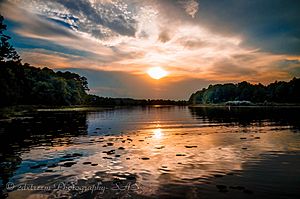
25 84
277 92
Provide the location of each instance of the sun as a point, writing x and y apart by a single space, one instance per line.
157 72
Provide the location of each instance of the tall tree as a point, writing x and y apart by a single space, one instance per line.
7 51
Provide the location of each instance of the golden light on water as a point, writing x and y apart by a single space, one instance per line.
157 133
157 72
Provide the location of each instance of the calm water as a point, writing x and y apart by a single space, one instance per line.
152 152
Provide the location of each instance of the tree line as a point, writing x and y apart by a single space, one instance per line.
95 100
277 92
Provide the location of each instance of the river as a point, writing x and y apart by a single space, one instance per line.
152 152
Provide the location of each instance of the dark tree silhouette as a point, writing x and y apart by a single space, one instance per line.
279 92
25 84
7 51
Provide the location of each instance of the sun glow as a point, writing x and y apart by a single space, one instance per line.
157 72
157 133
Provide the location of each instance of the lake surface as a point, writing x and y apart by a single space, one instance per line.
152 152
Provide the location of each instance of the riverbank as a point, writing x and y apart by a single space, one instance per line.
20 110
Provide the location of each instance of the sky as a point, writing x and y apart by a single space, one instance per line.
198 42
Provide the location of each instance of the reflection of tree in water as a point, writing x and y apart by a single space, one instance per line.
20 135
248 115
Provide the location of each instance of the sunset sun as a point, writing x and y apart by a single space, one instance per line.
157 73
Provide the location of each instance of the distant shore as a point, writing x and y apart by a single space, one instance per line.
253 105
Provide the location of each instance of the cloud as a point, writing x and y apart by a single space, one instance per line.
56 60
228 67
290 66
164 36
113 15
269 25
33 26
104 17
190 6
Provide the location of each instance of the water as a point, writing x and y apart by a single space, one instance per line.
152 152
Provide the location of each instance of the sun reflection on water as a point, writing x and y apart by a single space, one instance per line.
157 133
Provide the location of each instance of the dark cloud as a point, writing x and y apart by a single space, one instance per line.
164 36
290 66
30 23
192 43
295 72
228 67
288 63
106 15
272 25
66 20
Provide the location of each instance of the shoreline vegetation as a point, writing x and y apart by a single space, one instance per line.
25 87
247 94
